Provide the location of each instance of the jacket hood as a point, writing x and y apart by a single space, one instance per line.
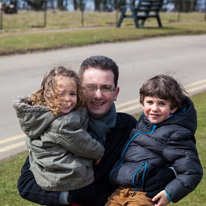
185 116
33 120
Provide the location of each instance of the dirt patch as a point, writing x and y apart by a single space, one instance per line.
46 30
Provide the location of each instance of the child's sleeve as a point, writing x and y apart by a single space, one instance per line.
185 161
75 139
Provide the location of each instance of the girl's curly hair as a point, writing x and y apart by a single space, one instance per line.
47 94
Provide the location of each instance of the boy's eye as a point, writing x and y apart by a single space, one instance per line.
149 102
162 103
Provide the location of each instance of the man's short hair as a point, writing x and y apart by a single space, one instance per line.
100 62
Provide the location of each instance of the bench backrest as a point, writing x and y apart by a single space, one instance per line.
149 5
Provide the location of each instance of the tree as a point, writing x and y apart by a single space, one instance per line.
185 5
37 5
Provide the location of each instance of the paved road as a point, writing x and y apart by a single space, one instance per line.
183 57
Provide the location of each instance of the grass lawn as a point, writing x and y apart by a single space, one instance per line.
10 169
64 29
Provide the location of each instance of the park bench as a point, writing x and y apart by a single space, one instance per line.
142 10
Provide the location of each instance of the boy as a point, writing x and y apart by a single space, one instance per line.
164 135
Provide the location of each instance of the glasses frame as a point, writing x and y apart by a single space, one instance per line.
105 89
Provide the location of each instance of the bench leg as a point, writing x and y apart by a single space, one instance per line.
121 17
134 15
143 21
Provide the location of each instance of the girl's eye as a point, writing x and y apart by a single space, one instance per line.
60 94
73 94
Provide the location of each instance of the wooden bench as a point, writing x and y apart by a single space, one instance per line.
142 11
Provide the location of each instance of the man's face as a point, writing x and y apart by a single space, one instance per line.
99 101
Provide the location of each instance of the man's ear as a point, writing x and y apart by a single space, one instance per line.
116 93
173 110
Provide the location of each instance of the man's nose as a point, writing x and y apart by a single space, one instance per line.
98 93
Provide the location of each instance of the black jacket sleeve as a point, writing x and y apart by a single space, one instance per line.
29 190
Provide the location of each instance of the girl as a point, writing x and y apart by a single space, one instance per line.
61 151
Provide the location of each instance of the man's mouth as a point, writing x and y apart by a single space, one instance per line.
97 103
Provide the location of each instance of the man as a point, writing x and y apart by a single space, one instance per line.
99 76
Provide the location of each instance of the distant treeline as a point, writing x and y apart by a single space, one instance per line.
102 5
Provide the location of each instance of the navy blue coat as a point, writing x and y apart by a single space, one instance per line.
170 143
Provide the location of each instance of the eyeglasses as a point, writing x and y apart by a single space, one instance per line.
105 89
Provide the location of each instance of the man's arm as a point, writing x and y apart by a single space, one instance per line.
29 190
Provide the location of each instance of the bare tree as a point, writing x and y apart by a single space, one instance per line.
37 5
185 5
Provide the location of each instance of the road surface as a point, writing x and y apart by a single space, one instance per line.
183 57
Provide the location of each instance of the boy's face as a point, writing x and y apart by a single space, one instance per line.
156 109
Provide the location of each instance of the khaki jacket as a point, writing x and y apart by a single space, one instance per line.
61 151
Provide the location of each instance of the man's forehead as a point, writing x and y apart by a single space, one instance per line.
97 74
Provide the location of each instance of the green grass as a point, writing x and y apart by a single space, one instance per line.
10 169
24 20
57 19
25 39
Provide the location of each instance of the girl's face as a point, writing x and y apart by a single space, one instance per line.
67 93
156 109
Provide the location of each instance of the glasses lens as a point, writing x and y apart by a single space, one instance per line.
91 87
105 89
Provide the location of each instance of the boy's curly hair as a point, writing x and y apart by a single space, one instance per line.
47 94
163 87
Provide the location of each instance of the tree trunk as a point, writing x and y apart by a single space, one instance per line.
185 5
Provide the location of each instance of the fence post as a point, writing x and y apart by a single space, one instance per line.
82 8
180 8
45 12
205 10
1 15
117 11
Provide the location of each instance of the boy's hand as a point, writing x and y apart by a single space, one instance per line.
161 199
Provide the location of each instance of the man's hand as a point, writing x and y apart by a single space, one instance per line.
158 180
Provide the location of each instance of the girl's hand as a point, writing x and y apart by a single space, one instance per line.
161 199
96 162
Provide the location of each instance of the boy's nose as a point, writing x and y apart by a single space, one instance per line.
154 107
